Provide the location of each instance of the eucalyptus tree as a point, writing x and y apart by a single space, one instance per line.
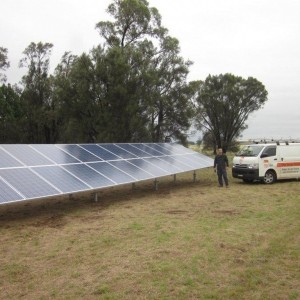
10 114
170 94
10 110
146 86
4 63
224 104
62 97
81 107
36 95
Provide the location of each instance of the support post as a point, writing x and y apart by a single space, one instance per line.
156 184
194 176
174 177
96 197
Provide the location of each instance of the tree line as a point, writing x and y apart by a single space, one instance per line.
131 88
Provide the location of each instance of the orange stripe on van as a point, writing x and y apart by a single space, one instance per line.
288 164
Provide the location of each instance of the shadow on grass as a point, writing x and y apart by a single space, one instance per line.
55 208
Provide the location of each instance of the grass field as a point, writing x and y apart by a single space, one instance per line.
185 241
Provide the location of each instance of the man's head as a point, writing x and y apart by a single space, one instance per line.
220 151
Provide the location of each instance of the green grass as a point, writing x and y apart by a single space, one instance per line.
185 241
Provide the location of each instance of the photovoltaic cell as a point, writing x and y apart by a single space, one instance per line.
7 161
26 155
149 150
131 169
202 157
151 168
136 151
111 172
164 165
55 154
196 161
100 152
8 194
173 160
79 153
27 183
118 151
89 175
160 149
184 160
176 148
60 178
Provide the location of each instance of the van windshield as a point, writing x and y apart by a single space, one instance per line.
251 150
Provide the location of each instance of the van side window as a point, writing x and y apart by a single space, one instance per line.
269 151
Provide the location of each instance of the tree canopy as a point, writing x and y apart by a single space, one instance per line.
224 103
4 63
131 87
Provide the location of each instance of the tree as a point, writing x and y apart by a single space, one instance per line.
147 88
170 94
36 96
4 63
224 103
62 98
10 114
124 107
133 21
80 105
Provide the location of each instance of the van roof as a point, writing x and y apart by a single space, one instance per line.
275 143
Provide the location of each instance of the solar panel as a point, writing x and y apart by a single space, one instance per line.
150 151
160 149
55 154
164 165
134 150
144 164
8 194
131 169
79 153
89 175
100 152
28 183
40 170
26 155
112 172
8 161
62 179
115 149
176 162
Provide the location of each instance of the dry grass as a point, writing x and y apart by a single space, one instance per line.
185 241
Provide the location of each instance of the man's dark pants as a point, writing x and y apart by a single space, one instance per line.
222 174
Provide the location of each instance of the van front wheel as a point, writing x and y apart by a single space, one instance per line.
270 177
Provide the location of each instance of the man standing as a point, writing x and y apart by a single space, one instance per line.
220 165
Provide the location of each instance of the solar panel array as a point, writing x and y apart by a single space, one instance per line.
44 170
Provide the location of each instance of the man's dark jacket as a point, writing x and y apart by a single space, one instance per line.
221 161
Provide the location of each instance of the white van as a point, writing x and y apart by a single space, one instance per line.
267 162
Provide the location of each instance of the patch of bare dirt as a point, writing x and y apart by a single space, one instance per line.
226 212
175 212
54 221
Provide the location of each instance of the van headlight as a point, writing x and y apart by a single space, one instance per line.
253 166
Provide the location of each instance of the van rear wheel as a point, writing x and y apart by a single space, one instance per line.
270 177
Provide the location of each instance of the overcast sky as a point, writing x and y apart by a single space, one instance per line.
258 38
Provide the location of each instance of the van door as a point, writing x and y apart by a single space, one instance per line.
268 159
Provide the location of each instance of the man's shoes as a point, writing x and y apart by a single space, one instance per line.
227 186
220 185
